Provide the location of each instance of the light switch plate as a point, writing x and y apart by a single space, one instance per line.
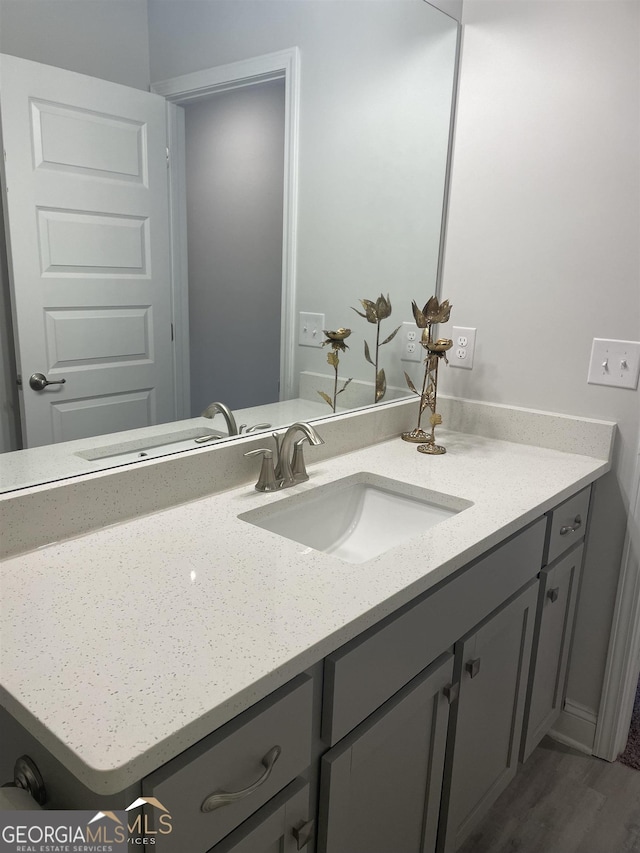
614 363
310 328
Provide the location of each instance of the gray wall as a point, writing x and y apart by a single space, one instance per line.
102 38
542 252
235 174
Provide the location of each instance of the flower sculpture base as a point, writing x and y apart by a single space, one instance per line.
431 448
417 435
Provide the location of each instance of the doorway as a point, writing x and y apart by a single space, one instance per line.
234 159
182 92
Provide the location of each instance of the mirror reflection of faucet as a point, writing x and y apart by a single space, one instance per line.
256 428
210 412
289 468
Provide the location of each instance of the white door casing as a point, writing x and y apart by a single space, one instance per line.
86 209
284 64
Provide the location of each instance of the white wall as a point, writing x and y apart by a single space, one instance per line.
103 38
235 177
543 248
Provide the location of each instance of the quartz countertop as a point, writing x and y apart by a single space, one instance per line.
123 647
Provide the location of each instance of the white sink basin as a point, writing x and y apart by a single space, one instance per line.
357 518
150 447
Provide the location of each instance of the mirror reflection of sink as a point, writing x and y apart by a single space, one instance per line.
357 518
150 447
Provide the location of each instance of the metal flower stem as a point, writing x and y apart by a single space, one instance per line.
426 376
432 364
335 385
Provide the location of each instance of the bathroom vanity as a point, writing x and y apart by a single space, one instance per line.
378 706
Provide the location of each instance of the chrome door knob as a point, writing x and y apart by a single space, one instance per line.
38 381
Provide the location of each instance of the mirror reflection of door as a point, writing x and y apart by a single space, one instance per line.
90 271
234 156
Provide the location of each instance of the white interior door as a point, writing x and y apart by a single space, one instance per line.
88 236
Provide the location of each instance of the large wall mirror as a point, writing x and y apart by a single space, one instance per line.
308 171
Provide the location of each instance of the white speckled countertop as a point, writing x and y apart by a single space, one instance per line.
154 632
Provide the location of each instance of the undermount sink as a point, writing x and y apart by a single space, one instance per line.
357 518
150 447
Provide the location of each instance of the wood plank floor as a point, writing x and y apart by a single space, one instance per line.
563 802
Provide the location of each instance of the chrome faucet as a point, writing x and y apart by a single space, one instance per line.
290 468
227 414
288 449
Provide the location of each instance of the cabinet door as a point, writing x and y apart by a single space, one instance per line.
484 741
380 786
281 826
550 658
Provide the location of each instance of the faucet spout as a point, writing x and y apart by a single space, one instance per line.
286 449
227 414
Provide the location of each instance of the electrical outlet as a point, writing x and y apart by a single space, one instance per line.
464 345
614 363
410 347
310 328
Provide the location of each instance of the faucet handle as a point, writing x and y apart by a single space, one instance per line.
267 479
298 468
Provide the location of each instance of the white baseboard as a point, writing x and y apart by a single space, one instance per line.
575 727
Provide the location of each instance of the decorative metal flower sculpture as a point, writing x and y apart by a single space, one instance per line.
433 312
336 340
375 312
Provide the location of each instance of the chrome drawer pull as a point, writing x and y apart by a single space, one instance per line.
568 528
552 594
223 798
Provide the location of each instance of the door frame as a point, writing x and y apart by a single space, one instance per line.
282 65
623 660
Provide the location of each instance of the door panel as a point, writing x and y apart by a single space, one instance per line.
380 786
88 234
493 663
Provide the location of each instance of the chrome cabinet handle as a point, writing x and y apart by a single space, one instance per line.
571 528
451 692
552 594
473 667
38 381
223 798
302 833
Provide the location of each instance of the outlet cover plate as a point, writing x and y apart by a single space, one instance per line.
464 346
614 363
410 347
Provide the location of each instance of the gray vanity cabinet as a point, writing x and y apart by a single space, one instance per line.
492 665
554 627
381 785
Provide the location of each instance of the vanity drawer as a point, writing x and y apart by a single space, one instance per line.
233 759
567 525
364 673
